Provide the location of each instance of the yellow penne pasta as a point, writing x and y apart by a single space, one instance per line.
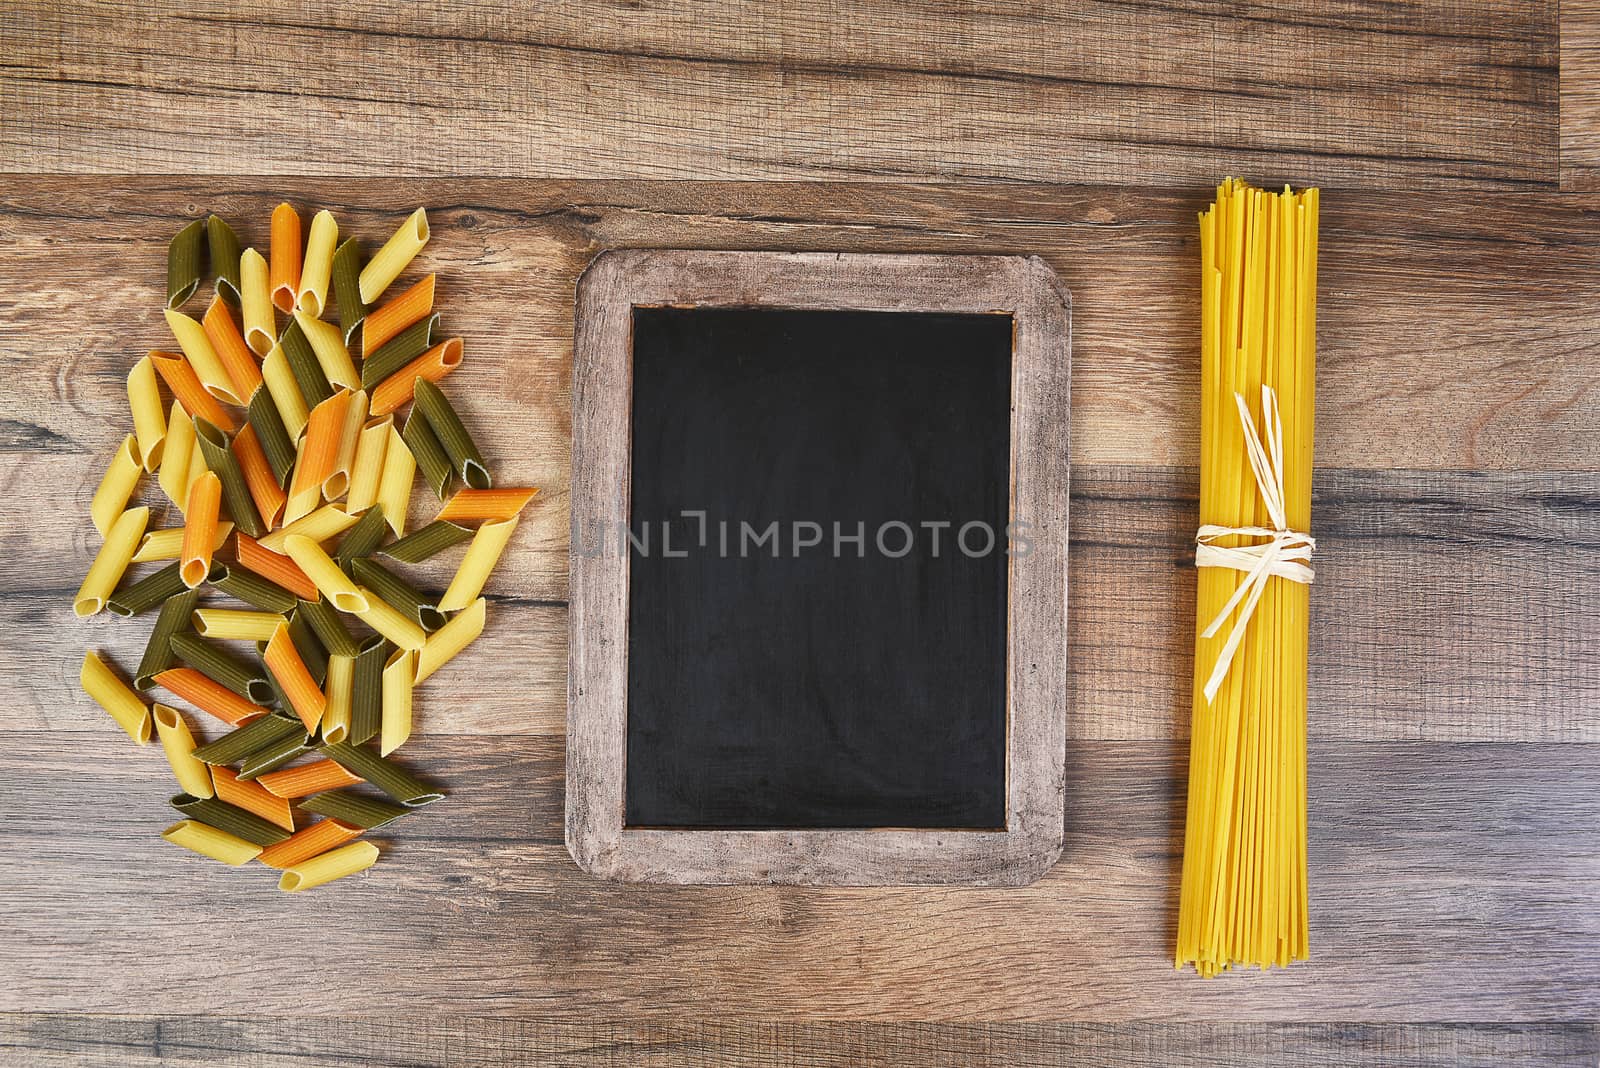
174 476
388 621
111 562
206 840
114 695
320 243
355 417
319 526
386 265
149 421
236 624
194 776
116 485
197 349
284 391
255 304
336 718
197 467
394 485
319 567
334 864
332 355
443 644
167 544
304 495
396 722
366 468
482 555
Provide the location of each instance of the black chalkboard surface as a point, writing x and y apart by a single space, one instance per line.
778 677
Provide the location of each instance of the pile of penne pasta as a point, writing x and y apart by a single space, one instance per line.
286 459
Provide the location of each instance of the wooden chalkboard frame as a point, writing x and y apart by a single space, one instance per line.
1023 287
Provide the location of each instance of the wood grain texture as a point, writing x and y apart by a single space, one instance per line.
49 1041
1352 94
1448 882
1580 95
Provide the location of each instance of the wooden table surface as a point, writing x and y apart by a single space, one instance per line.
1455 681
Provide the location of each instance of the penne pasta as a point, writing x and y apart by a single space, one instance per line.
469 504
149 419
285 394
398 673
391 778
309 646
347 288
334 864
229 817
312 294
443 644
386 265
234 355
200 529
390 622
209 696
173 619
211 842
181 379
112 694
396 591
306 779
155 588
252 798
331 582
311 842
224 245
394 485
336 719
197 467
304 365
179 445
217 664
183 263
266 423
404 347
235 492
274 755
330 630
116 485
259 479
319 526
366 690
432 460
429 541
478 563
466 461
238 581
355 417
387 320
111 562
275 567
362 539
400 387
236 624
305 697
319 452
328 345
167 543
177 741
255 303
356 810
283 273
366 466
202 356
251 737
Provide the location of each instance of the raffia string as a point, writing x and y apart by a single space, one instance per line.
1287 554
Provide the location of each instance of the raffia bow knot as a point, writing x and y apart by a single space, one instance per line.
1286 553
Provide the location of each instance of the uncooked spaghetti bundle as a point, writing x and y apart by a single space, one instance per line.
1243 899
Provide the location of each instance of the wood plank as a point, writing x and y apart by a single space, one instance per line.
1448 606
1448 882
50 1040
1356 95
1580 95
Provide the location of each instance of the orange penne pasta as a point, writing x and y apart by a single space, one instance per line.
283 270
470 504
308 779
208 696
305 696
185 385
264 488
237 360
383 323
433 365
313 841
252 798
200 528
324 434
274 567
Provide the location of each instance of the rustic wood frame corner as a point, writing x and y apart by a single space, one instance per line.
1023 287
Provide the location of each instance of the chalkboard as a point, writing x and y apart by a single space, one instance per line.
818 589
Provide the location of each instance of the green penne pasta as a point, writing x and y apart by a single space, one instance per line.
366 690
308 646
330 630
465 459
242 741
362 539
175 618
385 774
303 364
419 545
224 258
357 810
274 755
347 288
184 263
250 588
432 460
208 658
231 818
272 435
421 607
235 493
148 592
398 351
